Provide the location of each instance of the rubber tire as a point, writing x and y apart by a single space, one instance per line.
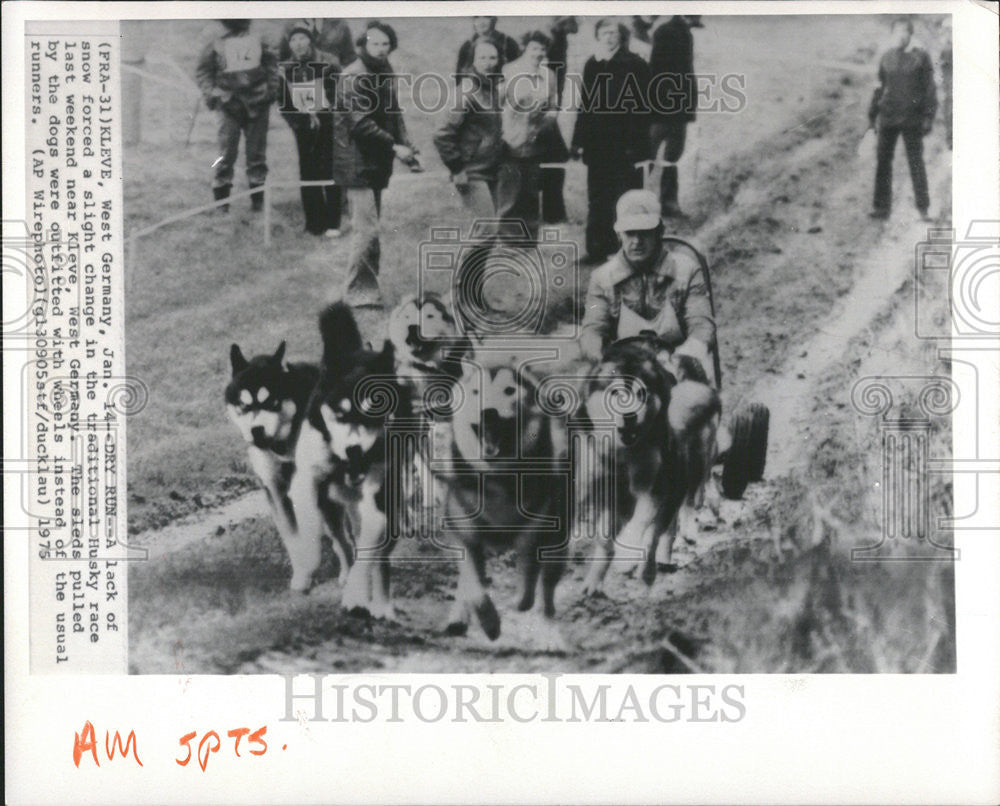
736 468
760 419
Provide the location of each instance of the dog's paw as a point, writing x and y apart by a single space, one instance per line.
355 596
458 619
488 617
548 638
301 584
648 574
383 610
593 585
456 627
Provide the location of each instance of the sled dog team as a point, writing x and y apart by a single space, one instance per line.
504 461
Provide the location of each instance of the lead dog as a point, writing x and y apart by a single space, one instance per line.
341 457
266 399
662 426
504 489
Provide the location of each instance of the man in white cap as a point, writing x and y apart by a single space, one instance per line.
646 286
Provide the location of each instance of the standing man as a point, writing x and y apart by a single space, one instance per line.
470 139
238 76
529 121
671 65
470 142
369 134
904 104
485 28
308 87
611 132
553 179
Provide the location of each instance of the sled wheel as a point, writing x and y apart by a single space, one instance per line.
760 418
736 468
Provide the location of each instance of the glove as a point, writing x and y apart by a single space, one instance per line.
460 180
213 102
927 125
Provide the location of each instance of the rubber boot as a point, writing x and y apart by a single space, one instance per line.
221 193
668 192
257 201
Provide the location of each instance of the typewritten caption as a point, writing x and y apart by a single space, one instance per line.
77 586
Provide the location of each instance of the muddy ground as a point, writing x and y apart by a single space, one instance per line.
811 295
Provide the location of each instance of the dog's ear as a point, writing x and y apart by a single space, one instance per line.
279 354
237 360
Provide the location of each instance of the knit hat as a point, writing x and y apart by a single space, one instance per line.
301 28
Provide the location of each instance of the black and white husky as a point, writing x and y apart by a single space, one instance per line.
341 457
267 399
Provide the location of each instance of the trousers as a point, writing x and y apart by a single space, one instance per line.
914 142
361 286
232 122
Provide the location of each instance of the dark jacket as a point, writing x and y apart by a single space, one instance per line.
238 69
507 51
314 79
470 138
613 120
367 123
330 34
671 67
906 96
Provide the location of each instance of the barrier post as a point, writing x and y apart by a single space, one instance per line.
267 214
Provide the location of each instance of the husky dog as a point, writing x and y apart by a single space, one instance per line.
429 351
663 423
266 399
341 457
504 488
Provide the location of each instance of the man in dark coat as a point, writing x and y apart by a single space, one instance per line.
673 100
307 92
238 76
369 134
485 28
904 103
611 133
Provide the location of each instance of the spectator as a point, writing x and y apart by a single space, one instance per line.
904 103
485 28
238 76
529 122
308 87
639 35
331 35
611 133
671 67
470 143
470 140
553 204
369 133
647 287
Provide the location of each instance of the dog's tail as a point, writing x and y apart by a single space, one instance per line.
340 333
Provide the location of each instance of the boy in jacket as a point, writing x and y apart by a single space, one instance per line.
308 86
904 104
